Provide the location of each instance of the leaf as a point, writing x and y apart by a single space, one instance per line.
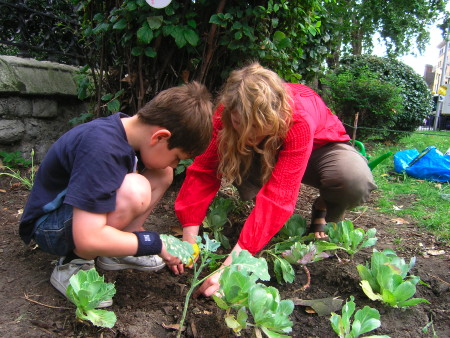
399 221
369 319
145 34
155 22
247 262
322 306
272 334
178 34
178 248
191 37
232 323
404 291
113 106
220 302
121 24
100 317
287 270
369 292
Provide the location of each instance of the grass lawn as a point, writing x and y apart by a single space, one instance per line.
427 202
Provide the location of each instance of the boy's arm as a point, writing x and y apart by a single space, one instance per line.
93 237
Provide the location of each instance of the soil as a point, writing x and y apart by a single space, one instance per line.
147 304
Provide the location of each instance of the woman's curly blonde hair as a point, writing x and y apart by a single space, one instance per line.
258 96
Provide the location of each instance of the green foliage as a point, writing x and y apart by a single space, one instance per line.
401 25
294 227
348 238
85 85
217 217
144 50
87 290
14 159
386 279
239 292
364 320
82 118
376 101
244 263
182 166
416 102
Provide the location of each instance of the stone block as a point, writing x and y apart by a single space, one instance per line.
15 106
45 108
11 131
32 77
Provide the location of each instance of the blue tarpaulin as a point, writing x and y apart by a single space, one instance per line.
430 164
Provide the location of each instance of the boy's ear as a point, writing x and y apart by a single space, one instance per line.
160 135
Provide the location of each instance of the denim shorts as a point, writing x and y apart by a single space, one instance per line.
53 231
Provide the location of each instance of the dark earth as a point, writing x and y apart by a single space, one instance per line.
147 304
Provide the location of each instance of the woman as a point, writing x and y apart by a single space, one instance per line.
269 137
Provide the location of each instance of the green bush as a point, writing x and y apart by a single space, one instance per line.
376 101
416 97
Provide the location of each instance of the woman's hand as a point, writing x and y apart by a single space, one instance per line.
210 286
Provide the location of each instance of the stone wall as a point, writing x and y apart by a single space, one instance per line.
37 100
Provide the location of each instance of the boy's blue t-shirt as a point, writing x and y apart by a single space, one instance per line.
83 168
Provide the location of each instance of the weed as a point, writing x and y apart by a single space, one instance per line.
26 181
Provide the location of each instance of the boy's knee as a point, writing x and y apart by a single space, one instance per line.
136 190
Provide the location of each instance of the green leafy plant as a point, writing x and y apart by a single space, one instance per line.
185 252
289 248
364 320
112 101
182 166
386 279
14 159
376 101
216 219
350 239
86 290
82 118
26 181
303 254
244 262
239 292
295 227
416 97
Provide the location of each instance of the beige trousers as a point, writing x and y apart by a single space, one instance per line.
339 172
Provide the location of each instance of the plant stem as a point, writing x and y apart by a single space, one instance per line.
195 282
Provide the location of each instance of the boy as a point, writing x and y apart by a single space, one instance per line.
88 200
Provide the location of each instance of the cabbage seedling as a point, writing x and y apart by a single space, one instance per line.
86 290
386 279
365 320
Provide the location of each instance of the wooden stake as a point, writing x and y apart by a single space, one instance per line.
355 126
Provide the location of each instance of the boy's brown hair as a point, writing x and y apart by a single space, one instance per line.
186 111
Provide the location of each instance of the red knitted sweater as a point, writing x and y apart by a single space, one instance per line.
313 126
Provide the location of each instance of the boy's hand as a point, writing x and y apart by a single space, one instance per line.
171 261
179 269
189 234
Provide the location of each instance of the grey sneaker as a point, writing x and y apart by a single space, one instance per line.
142 263
62 273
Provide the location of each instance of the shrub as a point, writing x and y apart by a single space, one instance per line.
376 101
416 97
